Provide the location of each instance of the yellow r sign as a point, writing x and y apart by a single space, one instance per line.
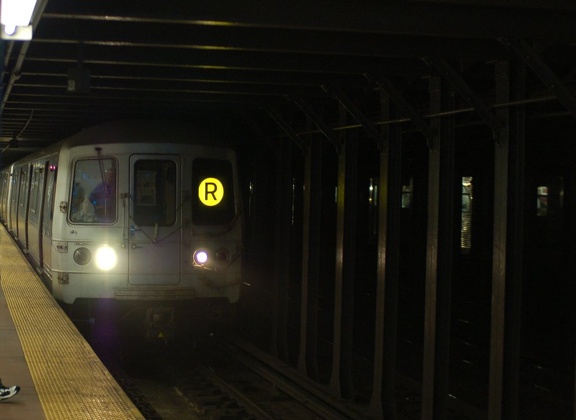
211 191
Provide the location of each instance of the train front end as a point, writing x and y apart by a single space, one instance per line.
153 228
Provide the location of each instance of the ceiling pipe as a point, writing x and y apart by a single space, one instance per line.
7 57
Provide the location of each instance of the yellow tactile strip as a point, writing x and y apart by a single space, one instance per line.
71 381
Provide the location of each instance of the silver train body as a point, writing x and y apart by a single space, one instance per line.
130 211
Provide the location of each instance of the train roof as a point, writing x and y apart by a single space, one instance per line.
138 131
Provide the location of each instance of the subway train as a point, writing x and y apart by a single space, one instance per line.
143 215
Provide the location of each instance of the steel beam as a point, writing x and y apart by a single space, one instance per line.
386 85
553 19
356 113
467 93
318 122
287 128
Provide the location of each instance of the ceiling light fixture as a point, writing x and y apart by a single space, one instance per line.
15 16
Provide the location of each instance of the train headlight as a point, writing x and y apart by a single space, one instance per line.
201 257
82 256
105 258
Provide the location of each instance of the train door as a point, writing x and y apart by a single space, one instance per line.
13 200
21 212
5 182
48 213
154 252
38 176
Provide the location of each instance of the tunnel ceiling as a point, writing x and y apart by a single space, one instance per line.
270 62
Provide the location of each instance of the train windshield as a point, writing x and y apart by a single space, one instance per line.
213 192
94 189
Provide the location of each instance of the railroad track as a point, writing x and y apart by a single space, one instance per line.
216 379
231 379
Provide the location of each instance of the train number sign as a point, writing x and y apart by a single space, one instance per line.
211 191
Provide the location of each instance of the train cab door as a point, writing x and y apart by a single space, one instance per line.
22 209
13 199
154 220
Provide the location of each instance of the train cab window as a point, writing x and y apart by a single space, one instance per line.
93 193
213 192
154 189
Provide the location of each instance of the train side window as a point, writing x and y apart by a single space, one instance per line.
50 189
466 215
155 192
15 190
35 189
213 201
22 193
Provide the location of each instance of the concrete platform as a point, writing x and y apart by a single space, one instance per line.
42 351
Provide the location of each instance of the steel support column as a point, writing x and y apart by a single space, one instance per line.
506 283
283 214
439 256
307 357
383 401
515 272
341 382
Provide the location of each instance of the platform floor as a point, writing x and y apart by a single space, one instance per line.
42 351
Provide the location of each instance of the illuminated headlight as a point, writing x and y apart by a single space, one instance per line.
105 258
200 256
82 256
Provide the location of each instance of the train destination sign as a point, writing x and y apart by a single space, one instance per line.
211 192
